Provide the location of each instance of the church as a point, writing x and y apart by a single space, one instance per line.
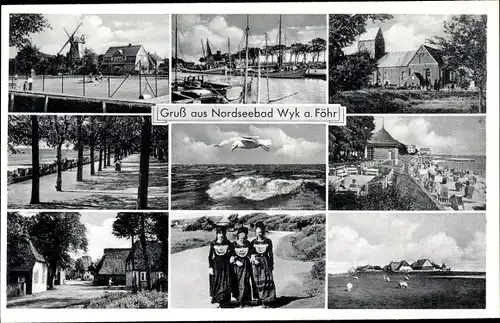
419 68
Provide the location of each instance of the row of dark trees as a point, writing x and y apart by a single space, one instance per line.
56 235
107 135
353 137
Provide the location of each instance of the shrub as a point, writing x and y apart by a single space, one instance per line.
318 270
144 299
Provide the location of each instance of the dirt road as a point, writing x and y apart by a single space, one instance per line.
73 294
189 278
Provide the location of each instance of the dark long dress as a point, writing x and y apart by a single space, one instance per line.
263 271
242 289
220 281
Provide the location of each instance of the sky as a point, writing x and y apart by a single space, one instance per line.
446 135
218 28
458 240
407 32
198 214
290 144
104 31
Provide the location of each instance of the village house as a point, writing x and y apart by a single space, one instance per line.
421 67
136 267
27 270
382 146
422 264
397 266
131 58
112 265
87 264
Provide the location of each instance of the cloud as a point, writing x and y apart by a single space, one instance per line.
193 34
347 248
199 148
99 35
418 131
100 236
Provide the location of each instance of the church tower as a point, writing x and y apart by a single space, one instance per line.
373 42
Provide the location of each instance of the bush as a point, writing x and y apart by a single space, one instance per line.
144 299
318 270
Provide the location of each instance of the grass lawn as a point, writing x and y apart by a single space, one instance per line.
407 101
425 291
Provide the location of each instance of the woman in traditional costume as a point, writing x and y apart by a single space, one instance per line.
262 260
219 268
242 268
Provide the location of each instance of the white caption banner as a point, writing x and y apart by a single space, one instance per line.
257 113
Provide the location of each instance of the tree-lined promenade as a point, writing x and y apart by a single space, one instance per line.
129 143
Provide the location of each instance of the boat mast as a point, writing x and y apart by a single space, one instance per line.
267 72
176 51
229 54
280 58
247 31
258 76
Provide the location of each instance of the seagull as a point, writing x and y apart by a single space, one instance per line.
246 142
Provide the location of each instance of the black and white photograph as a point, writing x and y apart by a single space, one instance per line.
406 261
382 63
248 167
86 162
249 59
66 62
408 163
247 260
90 260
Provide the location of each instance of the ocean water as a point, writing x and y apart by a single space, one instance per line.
47 156
248 187
479 163
289 91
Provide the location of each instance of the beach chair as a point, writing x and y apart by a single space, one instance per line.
341 171
456 201
371 172
352 170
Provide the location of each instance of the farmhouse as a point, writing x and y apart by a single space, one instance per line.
87 263
397 265
382 146
112 265
126 59
421 67
422 264
136 267
27 270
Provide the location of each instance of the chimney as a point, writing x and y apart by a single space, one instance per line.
129 45
218 53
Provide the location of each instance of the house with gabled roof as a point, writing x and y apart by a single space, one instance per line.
127 59
382 146
112 265
27 269
136 266
423 264
397 265
421 67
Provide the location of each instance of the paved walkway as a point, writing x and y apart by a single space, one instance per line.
105 190
73 294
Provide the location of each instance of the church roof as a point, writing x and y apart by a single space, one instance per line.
391 59
383 138
369 34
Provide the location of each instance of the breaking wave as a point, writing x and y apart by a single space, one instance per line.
259 188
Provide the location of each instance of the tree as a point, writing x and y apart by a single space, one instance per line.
79 267
79 145
130 225
464 48
353 137
28 57
89 62
342 32
56 235
142 194
35 162
353 72
23 25
55 132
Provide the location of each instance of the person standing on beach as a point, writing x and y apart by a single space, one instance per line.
262 260
220 269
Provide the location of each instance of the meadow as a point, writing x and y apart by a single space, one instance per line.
426 290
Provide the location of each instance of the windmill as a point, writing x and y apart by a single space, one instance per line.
76 44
